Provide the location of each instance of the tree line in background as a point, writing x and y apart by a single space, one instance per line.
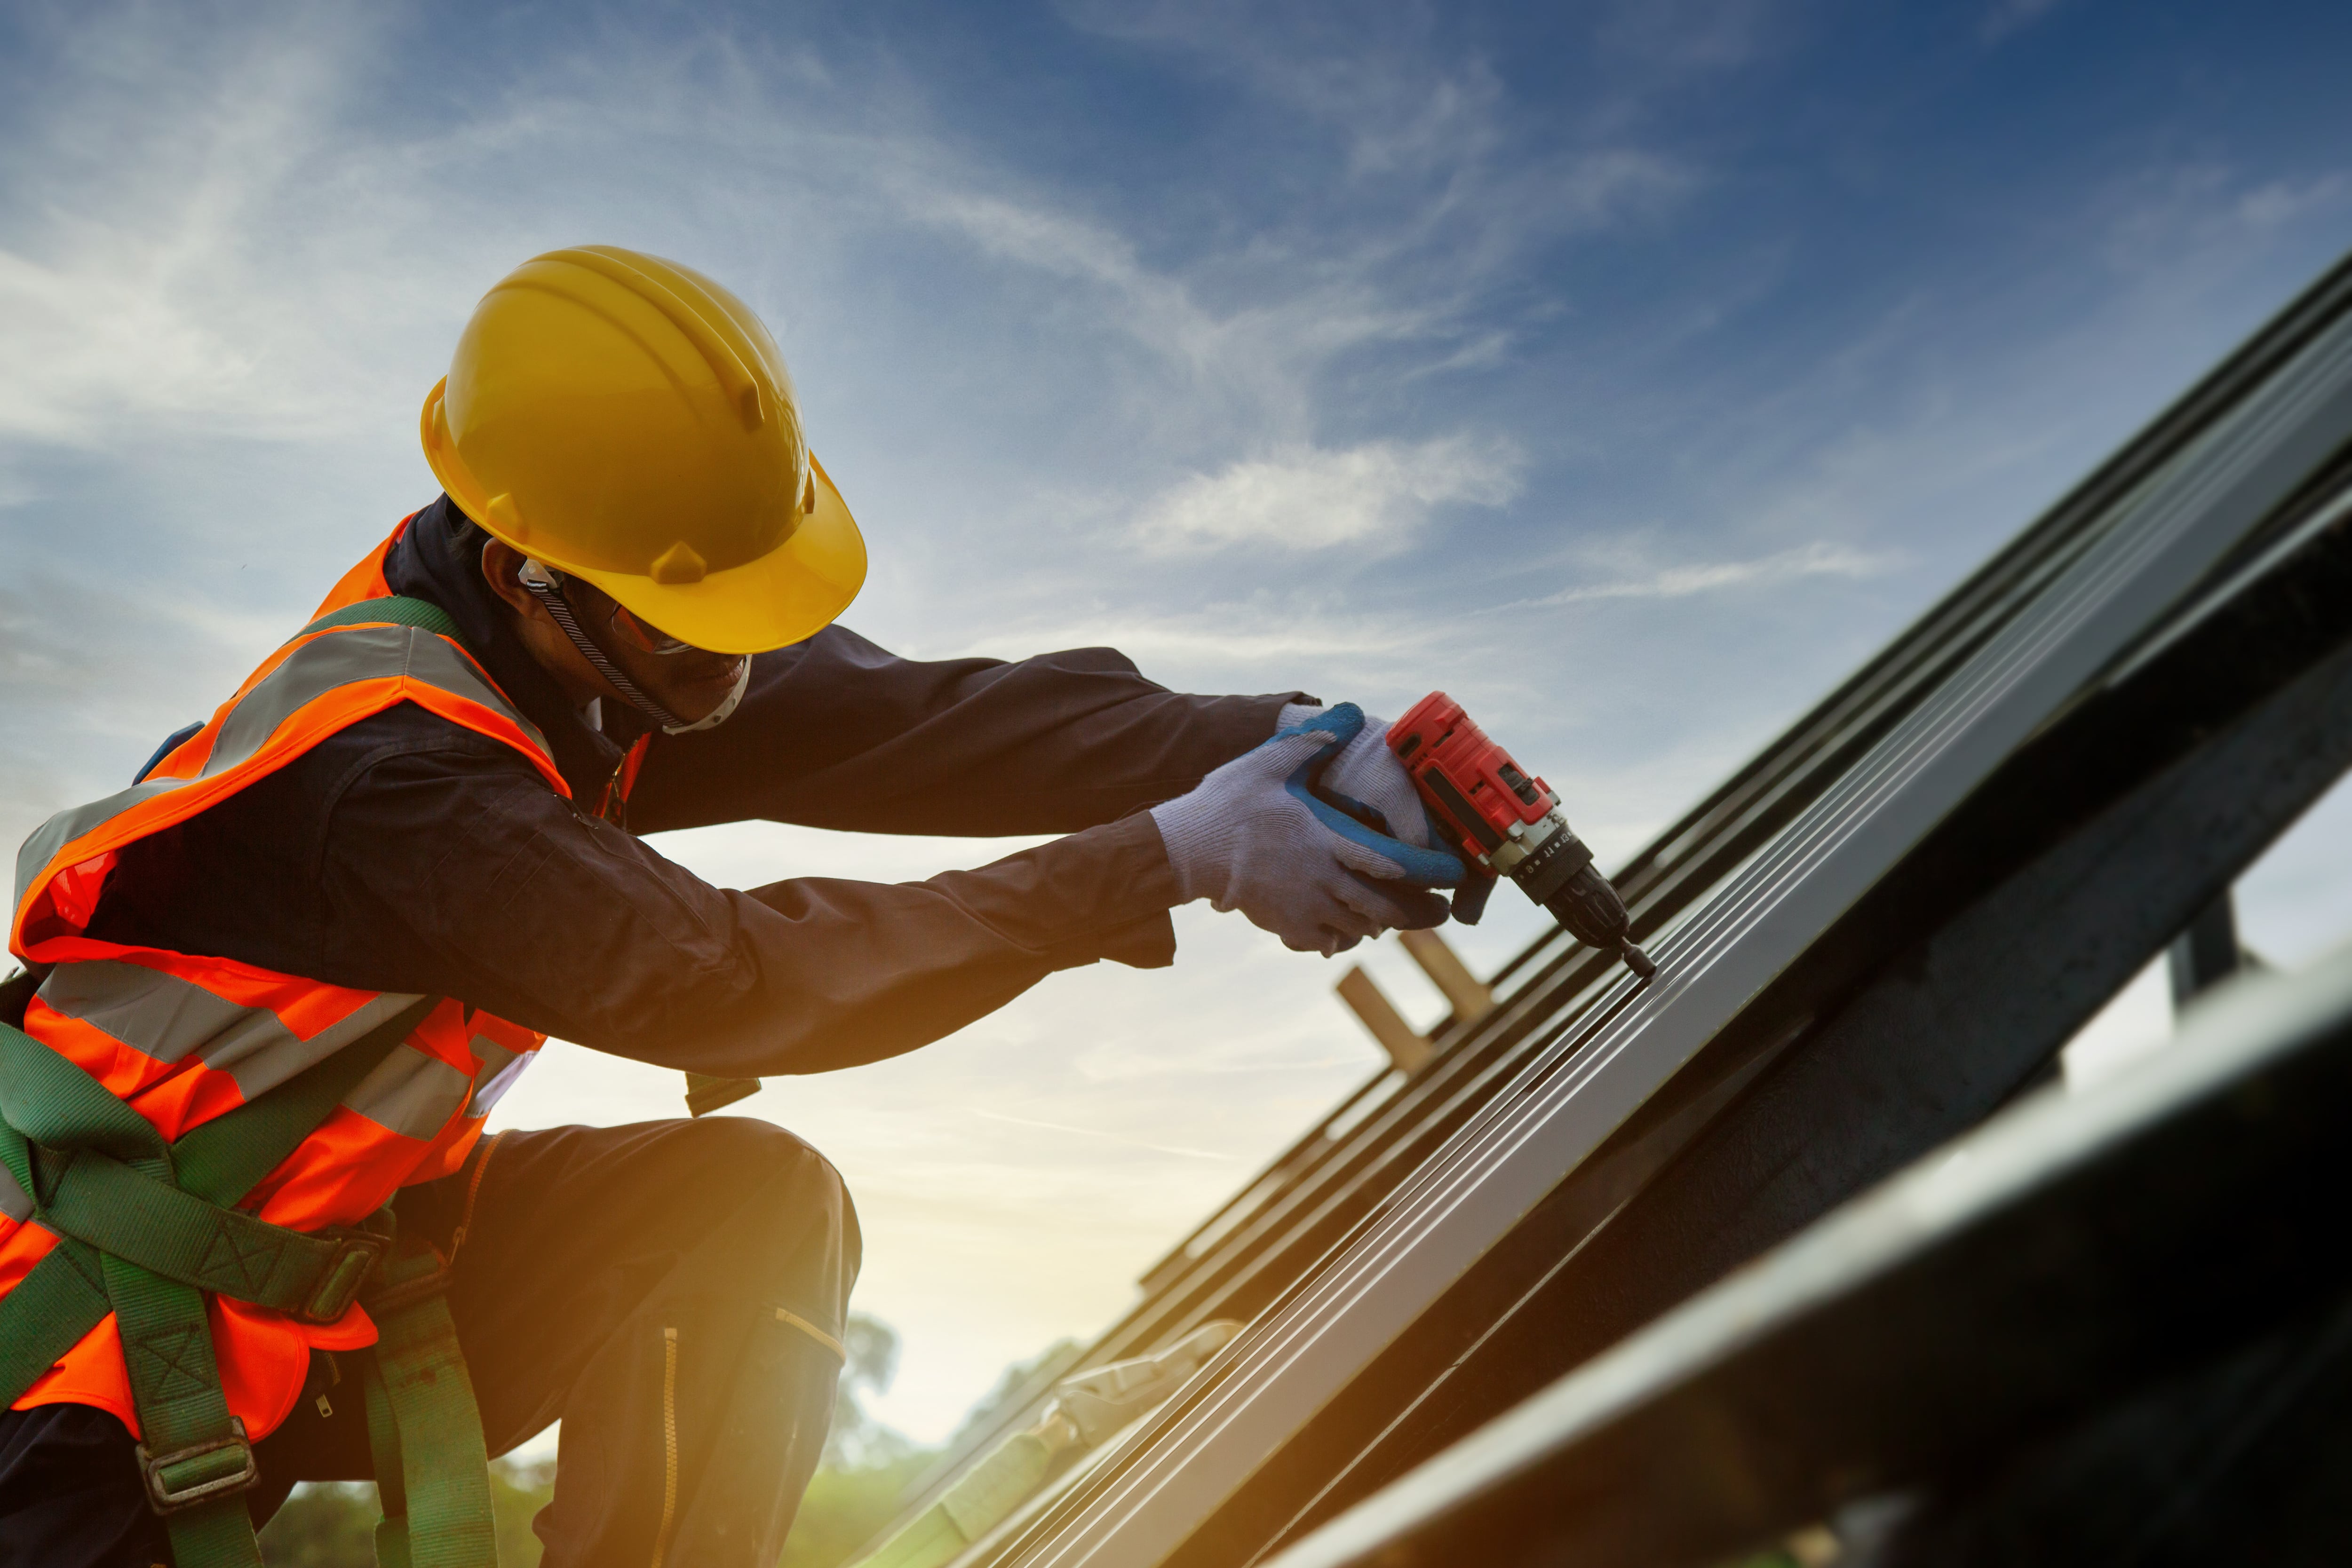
868 1467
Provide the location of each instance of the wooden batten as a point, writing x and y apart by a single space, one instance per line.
1405 1047
1471 998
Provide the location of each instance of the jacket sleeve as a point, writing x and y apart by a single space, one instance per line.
836 733
451 871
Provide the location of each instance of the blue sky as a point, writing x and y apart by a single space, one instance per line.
1629 370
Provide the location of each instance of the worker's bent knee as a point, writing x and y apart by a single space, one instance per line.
752 1156
747 1151
791 1209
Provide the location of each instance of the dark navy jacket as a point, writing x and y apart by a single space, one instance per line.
407 853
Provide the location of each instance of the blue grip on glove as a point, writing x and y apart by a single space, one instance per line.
1366 781
1252 837
1429 868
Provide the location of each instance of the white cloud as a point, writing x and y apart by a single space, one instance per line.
199 239
1819 559
2275 203
1410 182
2009 17
1252 365
1401 99
1376 497
1691 35
1096 1132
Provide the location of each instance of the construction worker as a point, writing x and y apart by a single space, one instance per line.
250 1233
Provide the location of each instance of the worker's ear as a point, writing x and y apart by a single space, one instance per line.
500 563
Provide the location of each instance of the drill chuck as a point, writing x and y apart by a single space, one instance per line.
1595 917
1559 875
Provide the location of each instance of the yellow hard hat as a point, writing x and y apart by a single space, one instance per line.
625 419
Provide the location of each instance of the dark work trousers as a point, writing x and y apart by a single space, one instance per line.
666 1289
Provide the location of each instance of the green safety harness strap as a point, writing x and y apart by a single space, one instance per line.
125 1212
425 1433
398 610
144 1230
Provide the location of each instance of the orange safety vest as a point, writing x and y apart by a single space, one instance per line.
184 1038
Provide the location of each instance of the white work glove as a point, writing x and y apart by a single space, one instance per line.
1369 782
1252 837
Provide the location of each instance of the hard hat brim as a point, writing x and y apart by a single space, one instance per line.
786 596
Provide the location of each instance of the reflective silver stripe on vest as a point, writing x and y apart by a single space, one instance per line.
171 1019
330 659
15 1202
411 1094
499 1068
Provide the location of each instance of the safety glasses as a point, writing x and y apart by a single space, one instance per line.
642 636
588 599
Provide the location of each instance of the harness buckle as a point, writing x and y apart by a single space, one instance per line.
357 1253
190 1476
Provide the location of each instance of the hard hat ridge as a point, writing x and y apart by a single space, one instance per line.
694 320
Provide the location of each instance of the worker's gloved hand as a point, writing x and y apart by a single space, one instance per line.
1366 780
1252 837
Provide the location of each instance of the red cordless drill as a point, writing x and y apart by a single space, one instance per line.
1510 823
